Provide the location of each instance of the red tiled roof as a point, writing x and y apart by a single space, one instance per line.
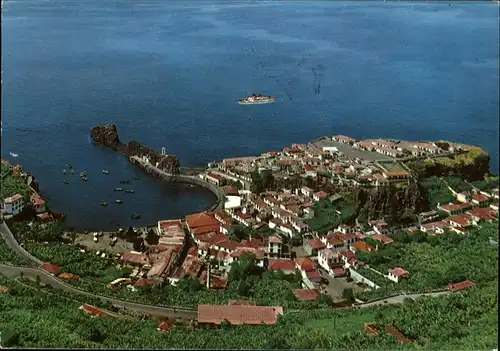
306 294
67 275
165 325
313 274
305 264
51 268
281 265
275 239
230 190
483 213
462 220
399 272
136 258
237 315
321 194
144 282
203 219
338 270
383 238
240 303
216 281
479 197
362 246
95 311
316 243
461 285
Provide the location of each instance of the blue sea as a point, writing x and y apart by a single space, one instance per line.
168 73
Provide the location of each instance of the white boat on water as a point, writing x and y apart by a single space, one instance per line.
13 154
255 99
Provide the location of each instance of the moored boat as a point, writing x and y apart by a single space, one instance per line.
105 172
118 201
118 189
124 181
65 181
103 203
130 191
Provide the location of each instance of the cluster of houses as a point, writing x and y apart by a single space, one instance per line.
309 160
16 204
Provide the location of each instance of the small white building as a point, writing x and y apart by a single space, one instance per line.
274 246
13 205
232 202
396 274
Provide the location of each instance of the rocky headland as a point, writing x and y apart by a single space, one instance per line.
107 135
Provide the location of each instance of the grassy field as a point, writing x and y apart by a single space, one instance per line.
328 215
347 323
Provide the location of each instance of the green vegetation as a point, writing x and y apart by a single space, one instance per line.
434 262
241 232
467 158
12 185
464 321
39 232
329 215
9 256
457 184
490 182
72 260
436 191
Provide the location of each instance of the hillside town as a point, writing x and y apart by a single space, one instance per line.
274 226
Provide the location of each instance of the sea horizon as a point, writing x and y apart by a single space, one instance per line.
169 75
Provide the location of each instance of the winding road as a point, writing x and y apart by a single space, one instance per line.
14 272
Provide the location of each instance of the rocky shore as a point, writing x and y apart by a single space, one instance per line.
107 135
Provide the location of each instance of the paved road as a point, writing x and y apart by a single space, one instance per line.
46 278
11 242
401 298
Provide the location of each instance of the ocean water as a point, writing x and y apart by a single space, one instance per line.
168 74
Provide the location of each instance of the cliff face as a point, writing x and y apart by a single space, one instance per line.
394 204
107 135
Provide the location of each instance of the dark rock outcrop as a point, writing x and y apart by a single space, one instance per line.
107 135
396 205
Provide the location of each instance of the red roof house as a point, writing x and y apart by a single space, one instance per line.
238 314
306 294
51 268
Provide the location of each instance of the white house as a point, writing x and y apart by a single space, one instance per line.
232 202
306 191
396 274
274 246
331 261
13 205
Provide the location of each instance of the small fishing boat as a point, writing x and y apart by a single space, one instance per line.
103 203
64 171
124 181
65 181
118 189
83 174
13 154
105 172
118 201
72 171
70 166
130 191
84 179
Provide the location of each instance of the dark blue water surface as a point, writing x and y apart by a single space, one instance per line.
168 74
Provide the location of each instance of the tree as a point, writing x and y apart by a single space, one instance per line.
348 294
152 238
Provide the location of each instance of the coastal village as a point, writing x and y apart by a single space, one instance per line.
274 227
